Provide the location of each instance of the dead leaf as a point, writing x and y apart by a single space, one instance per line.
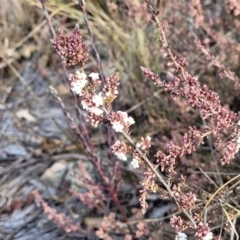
63 89
25 114
27 49
93 221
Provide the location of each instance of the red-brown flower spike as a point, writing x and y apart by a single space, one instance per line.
203 232
178 223
72 50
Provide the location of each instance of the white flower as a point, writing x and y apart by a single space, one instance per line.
209 236
77 86
117 126
135 163
148 138
94 76
119 148
181 236
124 115
126 119
138 145
130 121
238 142
96 111
78 82
238 123
85 105
81 75
120 121
98 99
121 156
111 93
145 143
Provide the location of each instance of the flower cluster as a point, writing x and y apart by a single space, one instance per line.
60 219
96 99
147 184
224 72
72 50
135 162
91 198
178 223
110 89
120 121
230 147
86 87
120 149
142 230
77 82
145 143
167 163
203 232
92 103
196 12
94 76
93 100
186 201
208 103
229 150
107 224
234 7
204 99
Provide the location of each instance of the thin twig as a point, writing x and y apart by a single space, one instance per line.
98 60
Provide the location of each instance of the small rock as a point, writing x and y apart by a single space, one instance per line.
14 149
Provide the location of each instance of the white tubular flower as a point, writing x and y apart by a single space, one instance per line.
209 236
85 105
81 75
121 156
119 148
127 120
135 163
130 121
138 145
78 85
120 121
94 76
96 111
145 143
78 82
181 236
98 99
238 142
117 126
